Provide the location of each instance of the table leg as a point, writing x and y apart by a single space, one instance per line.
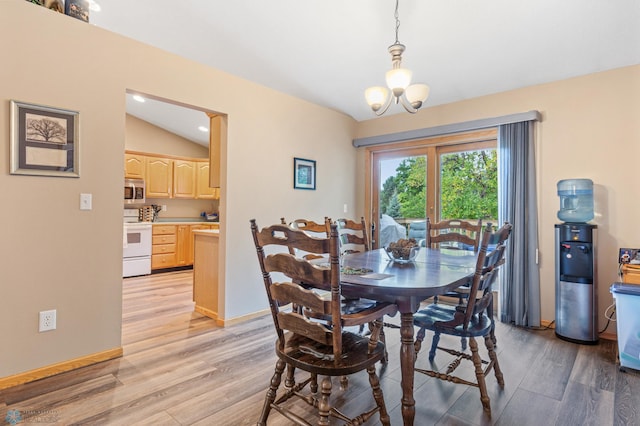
407 360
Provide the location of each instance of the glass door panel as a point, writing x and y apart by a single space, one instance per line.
399 195
468 183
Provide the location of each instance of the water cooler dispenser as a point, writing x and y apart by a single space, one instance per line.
575 266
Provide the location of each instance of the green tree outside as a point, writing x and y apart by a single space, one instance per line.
469 187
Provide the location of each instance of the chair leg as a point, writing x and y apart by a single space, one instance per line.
463 343
482 385
377 395
271 393
434 346
417 345
493 356
324 407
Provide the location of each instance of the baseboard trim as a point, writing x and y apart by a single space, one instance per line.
548 324
61 367
243 318
206 312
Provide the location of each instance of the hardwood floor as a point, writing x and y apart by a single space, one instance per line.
179 368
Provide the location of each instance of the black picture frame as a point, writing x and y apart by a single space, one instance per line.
44 140
304 174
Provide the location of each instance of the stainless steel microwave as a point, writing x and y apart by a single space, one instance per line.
134 191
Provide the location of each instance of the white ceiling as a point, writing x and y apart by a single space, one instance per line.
329 51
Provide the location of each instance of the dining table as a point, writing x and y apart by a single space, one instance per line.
374 275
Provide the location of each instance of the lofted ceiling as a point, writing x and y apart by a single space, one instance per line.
329 51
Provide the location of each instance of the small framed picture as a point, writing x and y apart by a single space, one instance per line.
44 141
304 174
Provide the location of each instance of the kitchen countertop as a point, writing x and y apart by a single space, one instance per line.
180 220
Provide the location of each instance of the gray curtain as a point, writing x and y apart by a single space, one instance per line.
517 201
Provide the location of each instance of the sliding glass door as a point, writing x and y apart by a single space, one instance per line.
411 183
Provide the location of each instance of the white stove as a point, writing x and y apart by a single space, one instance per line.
136 245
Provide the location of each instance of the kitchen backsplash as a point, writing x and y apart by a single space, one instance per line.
183 208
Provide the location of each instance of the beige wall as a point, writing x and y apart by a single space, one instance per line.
590 129
55 256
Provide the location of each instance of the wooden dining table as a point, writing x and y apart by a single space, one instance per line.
373 275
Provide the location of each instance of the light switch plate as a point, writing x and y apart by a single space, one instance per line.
85 202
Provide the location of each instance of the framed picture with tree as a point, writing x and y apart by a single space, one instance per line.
44 140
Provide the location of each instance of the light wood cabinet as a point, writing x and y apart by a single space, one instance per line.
631 274
163 246
159 177
184 251
184 179
203 190
205 274
172 245
217 138
172 177
134 166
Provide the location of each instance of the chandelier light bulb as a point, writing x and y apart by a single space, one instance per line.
398 79
376 96
416 94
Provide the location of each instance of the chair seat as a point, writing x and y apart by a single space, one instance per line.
433 316
309 355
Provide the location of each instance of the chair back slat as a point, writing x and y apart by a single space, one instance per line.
353 235
454 231
297 323
287 292
287 299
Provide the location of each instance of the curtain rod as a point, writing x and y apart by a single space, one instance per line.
428 132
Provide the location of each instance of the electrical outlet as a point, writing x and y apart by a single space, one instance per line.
164 207
47 320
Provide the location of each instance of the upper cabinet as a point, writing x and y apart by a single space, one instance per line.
203 189
134 166
171 177
217 138
184 179
159 177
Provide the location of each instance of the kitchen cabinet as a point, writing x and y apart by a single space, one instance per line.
184 179
203 190
163 246
172 244
217 139
159 177
134 166
184 251
172 177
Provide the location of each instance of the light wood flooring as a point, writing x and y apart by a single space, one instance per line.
179 368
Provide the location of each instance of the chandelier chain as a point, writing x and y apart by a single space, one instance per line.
397 21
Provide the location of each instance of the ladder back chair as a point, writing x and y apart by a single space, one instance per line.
471 320
354 236
318 347
454 233
311 228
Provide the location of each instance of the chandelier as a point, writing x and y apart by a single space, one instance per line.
411 96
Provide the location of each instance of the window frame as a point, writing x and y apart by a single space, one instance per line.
431 147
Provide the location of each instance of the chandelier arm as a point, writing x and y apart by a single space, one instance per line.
407 106
386 105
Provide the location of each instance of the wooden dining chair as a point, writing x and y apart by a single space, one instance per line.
320 347
311 228
471 320
354 236
454 233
